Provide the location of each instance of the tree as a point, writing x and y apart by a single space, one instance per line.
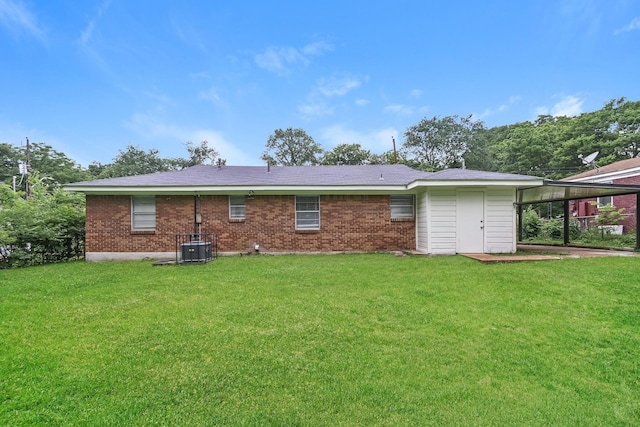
9 159
135 161
46 227
347 154
201 154
439 143
291 147
51 165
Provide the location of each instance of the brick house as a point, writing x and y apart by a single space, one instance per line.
624 172
285 209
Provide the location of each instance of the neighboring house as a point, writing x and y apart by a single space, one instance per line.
626 172
289 209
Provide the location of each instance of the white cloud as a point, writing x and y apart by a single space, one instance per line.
361 102
514 99
415 93
337 86
400 109
87 33
15 16
210 95
317 48
189 35
153 126
377 141
567 106
316 103
633 25
280 59
314 109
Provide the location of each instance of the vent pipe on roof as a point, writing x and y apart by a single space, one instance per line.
219 163
269 167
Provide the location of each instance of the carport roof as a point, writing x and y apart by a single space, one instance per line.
553 191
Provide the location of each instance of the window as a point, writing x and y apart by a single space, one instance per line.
237 207
605 200
307 212
402 206
143 212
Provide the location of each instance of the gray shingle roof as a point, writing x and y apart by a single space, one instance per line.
470 174
366 175
204 175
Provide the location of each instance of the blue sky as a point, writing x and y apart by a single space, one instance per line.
91 77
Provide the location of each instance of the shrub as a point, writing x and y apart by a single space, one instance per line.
531 224
46 227
554 229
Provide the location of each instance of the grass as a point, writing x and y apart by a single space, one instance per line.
322 340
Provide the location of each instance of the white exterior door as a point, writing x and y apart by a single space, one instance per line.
470 222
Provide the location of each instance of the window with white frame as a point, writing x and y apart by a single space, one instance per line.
307 212
143 212
402 206
605 200
237 207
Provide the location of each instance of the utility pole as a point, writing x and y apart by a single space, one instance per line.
27 167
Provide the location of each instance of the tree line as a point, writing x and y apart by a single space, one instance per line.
48 225
548 147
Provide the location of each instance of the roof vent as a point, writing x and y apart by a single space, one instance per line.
381 178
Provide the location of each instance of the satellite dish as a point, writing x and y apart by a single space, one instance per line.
590 159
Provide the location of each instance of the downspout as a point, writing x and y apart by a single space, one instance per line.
197 217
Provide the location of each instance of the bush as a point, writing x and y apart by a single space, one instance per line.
554 229
531 224
46 227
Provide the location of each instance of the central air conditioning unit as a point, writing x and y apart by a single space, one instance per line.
196 251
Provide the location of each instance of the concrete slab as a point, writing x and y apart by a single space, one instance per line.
547 253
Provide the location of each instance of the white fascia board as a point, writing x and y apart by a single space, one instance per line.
241 189
606 178
468 183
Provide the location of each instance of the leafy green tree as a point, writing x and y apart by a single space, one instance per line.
9 159
46 227
347 154
439 143
135 161
51 165
201 154
291 147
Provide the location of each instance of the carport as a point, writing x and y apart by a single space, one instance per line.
565 191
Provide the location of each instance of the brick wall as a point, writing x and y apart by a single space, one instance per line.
628 202
347 223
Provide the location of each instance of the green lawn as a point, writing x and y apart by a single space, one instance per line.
353 340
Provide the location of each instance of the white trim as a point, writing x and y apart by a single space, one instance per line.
392 205
483 227
143 214
475 183
607 177
296 210
244 206
413 186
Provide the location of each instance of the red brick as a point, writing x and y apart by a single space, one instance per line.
347 223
